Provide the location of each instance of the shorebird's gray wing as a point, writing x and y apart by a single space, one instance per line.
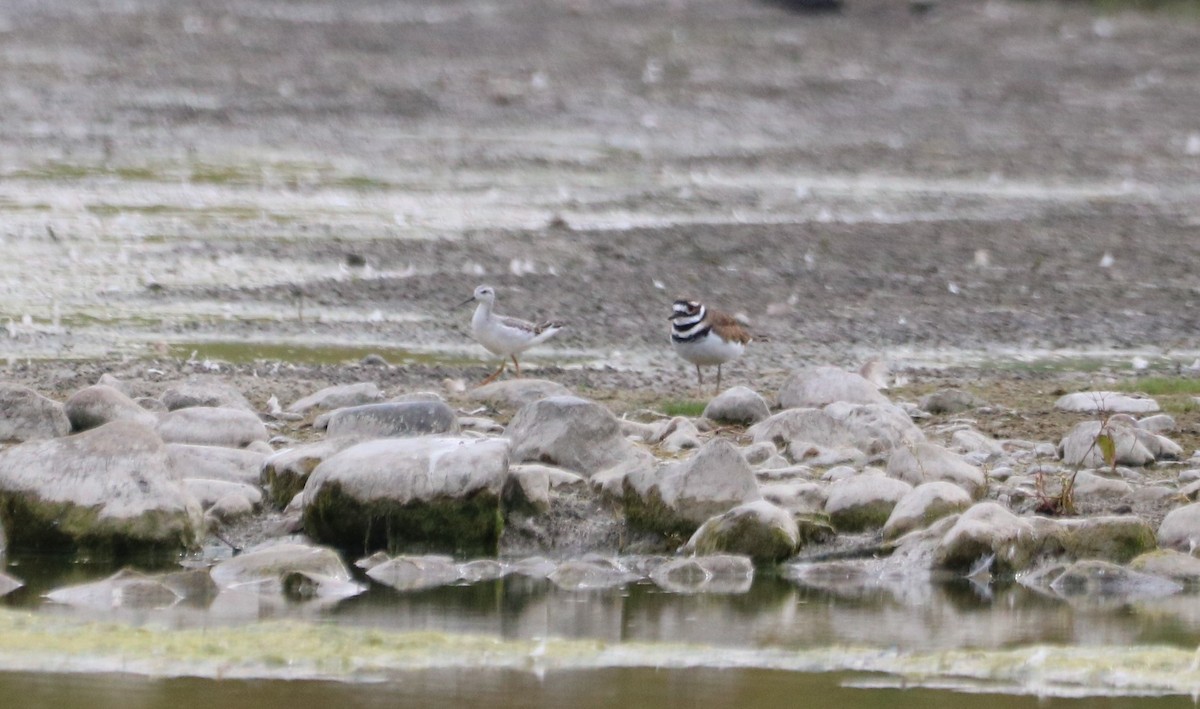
526 325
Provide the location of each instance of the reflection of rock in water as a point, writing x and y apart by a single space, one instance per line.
808 5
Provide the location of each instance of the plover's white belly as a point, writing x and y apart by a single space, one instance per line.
708 351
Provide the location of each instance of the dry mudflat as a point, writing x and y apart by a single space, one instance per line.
1000 196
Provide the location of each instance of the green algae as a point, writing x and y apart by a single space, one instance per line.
59 527
468 526
294 650
251 352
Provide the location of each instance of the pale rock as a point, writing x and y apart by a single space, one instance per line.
737 405
1089 486
209 392
1171 564
871 429
796 497
416 573
590 575
8 584
678 434
239 465
924 505
1092 578
1159 423
338 396
573 433
26 415
721 573
863 502
129 589
515 394
211 426
99 404
1180 529
393 419
287 568
480 424
818 386
1080 448
1108 401
231 507
760 452
681 496
840 472
207 492
478 570
928 462
972 441
950 401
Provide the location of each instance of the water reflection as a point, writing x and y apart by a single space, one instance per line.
773 612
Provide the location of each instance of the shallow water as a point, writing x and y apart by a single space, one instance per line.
624 687
524 642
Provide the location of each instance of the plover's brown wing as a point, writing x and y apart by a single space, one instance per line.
727 327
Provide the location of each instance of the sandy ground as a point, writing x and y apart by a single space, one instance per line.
972 185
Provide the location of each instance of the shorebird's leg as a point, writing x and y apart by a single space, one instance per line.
718 389
700 376
489 380
517 365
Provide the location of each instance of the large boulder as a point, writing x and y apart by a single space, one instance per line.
818 386
928 462
199 390
515 394
737 405
431 493
393 419
99 404
1180 529
759 530
26 415
678 498
211 426
109 491
338 396
923 505
572 433
863 502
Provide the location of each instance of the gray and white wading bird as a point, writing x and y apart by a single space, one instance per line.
502 335
705 337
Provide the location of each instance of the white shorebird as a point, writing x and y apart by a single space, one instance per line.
502 335
705 337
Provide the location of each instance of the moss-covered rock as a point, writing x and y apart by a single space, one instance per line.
863 502
429 494
285 473
108 491
760 530
1118 539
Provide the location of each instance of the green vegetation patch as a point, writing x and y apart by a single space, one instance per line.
684 407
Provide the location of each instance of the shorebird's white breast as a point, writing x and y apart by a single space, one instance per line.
498 337
709 350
